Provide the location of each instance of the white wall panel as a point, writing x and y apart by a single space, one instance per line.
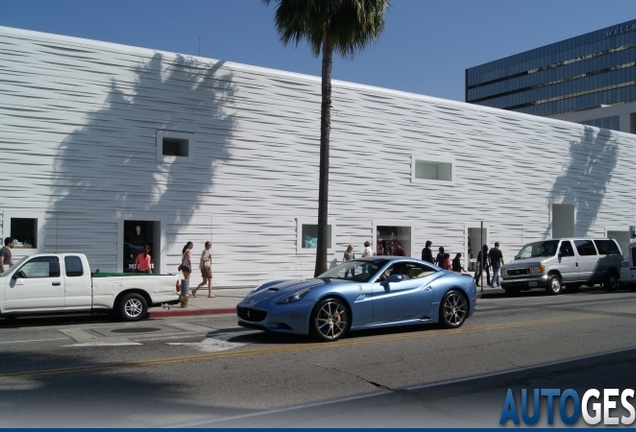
78 127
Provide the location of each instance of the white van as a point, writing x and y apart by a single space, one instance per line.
570 262
628 268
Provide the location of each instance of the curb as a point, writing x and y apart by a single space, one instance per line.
189 312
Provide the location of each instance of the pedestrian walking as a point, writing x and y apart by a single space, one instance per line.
186 268
482 264
205 265
496 261
427 253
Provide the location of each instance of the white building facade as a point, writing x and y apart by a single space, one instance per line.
104 148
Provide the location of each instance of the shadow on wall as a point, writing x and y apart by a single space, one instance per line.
109 169
584 181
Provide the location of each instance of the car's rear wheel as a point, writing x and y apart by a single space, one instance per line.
329 320
132 307
453 310
554 285
611 281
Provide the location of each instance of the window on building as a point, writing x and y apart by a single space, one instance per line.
308 236
173 146
24 231
388 236
433 170
612 123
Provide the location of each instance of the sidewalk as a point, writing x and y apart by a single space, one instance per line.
224 302
226 299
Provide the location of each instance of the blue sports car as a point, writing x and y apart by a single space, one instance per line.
365 293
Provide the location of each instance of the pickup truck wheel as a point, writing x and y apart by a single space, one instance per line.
554 285
611 281
132 307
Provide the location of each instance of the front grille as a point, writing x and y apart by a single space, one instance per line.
249 314
518 272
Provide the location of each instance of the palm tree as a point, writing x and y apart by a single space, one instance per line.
345 26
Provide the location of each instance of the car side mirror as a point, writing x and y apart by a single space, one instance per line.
19 274
394 278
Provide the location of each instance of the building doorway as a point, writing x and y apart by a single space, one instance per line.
563 220
137 234
475 237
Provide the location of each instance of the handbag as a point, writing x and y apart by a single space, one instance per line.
180 267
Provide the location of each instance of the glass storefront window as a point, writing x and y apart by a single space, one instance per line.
388 236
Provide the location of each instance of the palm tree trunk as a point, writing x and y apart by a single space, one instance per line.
323 184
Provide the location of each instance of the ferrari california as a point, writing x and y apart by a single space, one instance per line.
367 293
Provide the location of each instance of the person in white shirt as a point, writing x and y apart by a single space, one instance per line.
367 249
205 265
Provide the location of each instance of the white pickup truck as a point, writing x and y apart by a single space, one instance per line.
63 283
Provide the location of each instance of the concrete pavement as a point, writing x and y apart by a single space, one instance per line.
224 302
226 299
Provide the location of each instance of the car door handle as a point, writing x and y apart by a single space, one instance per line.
56 283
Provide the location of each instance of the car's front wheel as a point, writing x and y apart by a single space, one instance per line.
132 307
554 285
453 310
329 320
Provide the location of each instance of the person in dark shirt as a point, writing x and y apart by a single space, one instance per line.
439 259
398 250
427 253
6 261
457 264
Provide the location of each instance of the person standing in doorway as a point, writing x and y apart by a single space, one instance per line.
186 268
6 259
496 261
398 250
143 261
482 264
205 265
427 253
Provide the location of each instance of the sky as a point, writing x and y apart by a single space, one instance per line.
425 47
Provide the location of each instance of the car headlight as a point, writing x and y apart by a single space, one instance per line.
539 269
294 297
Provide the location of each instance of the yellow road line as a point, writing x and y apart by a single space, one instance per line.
294 348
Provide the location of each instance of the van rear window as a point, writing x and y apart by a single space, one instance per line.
607 247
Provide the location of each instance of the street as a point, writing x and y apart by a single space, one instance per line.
205 371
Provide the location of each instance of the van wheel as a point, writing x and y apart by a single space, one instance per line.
554 285
132 307
611 281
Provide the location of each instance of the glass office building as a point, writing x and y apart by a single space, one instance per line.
593 70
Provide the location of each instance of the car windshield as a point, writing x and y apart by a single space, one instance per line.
355 270
546 248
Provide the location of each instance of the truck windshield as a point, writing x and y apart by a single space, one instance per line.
546 248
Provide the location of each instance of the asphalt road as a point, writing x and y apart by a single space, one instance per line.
207 372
